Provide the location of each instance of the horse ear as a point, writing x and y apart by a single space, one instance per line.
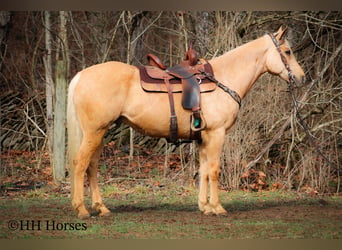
281 34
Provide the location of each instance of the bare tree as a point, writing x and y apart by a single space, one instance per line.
49 89
59 157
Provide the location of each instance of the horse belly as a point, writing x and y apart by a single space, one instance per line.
150 115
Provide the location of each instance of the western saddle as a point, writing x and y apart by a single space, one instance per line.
190 78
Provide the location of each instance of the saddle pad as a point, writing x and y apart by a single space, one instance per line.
152 81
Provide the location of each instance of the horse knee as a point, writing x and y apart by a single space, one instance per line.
214 175
214 172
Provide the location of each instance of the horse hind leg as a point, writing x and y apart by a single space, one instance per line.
97 203
89 146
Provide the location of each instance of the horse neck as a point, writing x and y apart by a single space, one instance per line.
241 67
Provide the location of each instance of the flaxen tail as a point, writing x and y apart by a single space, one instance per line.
74 129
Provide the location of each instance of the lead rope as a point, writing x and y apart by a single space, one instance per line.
291 86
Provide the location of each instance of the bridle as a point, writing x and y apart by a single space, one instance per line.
291 82
292 79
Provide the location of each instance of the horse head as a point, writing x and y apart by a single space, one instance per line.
281 60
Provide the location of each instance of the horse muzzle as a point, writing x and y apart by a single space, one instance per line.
298 81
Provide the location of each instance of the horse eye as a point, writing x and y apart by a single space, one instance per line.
288 52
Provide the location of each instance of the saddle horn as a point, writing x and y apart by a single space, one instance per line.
191 56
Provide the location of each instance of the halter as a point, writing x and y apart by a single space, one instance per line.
292 80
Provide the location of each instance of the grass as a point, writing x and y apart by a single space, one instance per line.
170 212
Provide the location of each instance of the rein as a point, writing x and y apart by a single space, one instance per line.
291 83
291 86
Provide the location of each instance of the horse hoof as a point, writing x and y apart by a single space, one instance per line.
209 213
222 214
220 211
105 214
84 216
215 210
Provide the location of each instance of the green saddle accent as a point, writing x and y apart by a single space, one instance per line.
197 123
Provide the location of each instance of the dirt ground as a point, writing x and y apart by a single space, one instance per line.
171 213
146 205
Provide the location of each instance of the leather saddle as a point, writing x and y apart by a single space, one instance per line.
185 78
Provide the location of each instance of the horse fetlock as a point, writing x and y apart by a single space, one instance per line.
83 213
207 209
97 206
202 205
76 204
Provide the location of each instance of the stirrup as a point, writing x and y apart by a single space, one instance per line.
197 115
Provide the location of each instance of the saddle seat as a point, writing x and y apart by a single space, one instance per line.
152 79
185 78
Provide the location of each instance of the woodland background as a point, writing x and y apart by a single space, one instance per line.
267 129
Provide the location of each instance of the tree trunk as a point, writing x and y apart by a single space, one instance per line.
49 90
5 18
62 68
59 123
4 21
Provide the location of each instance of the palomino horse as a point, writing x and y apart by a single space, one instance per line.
109 92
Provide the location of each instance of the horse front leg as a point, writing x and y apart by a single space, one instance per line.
210 153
